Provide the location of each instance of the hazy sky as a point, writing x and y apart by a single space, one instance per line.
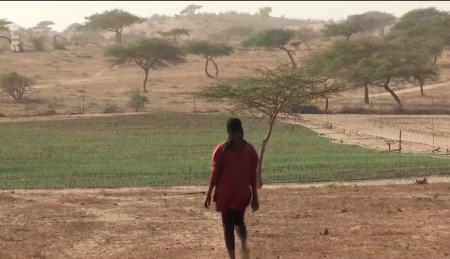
64 13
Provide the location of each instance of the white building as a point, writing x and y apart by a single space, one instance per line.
16 45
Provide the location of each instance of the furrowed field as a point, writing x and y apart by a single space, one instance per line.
168 149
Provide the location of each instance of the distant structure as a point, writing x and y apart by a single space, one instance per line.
16 43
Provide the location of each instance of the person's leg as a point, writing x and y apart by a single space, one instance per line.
242 231
228 222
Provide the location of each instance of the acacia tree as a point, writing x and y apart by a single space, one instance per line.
342 61
425 29
372 21
269 94
271 39
149 53
174 33
44 26
113 21
265 11
367 62
365 22
209 51
190 9
4 27
345 28
303 37
419 68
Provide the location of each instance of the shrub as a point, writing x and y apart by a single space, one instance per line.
111 108
306 109
137 99
38 43
15 86
58 44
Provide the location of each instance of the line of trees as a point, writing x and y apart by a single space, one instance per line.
407 53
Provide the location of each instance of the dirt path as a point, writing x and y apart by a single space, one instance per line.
363 221
375 131
97 77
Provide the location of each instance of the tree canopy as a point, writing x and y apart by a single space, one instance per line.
209 51
4 27
16 86
365 22
149 53
44 26
345 28
372 20
272 92
265 11
190 9
426 30
175 33
274 38
114 21
376 62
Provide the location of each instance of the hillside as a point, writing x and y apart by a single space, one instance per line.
80 76
210 25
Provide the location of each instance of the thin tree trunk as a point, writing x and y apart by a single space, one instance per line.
4 37
422 82
175 40
435 59
263 149
119 36
366 94
215 65
206 68
290 55
145 80
307 46
386 87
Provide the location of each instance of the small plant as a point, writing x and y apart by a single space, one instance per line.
111 108
15 86
137 99
38 43
58 44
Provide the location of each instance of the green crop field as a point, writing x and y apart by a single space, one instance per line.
166 149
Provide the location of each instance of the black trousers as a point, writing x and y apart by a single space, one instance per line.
230 219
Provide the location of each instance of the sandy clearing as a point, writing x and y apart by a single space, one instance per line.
364 221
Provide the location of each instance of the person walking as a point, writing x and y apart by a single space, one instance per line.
233 179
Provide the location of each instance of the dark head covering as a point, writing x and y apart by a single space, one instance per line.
234 126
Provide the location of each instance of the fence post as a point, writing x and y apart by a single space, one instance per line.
83 103
400 141
195 110
432 118
381 124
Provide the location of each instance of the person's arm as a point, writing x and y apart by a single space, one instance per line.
254 166
214 174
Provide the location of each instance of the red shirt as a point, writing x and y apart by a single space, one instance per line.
233 174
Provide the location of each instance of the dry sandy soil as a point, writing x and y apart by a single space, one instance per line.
364 220
375 131
63 77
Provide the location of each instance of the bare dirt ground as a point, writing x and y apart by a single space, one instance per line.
375 131
363 219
